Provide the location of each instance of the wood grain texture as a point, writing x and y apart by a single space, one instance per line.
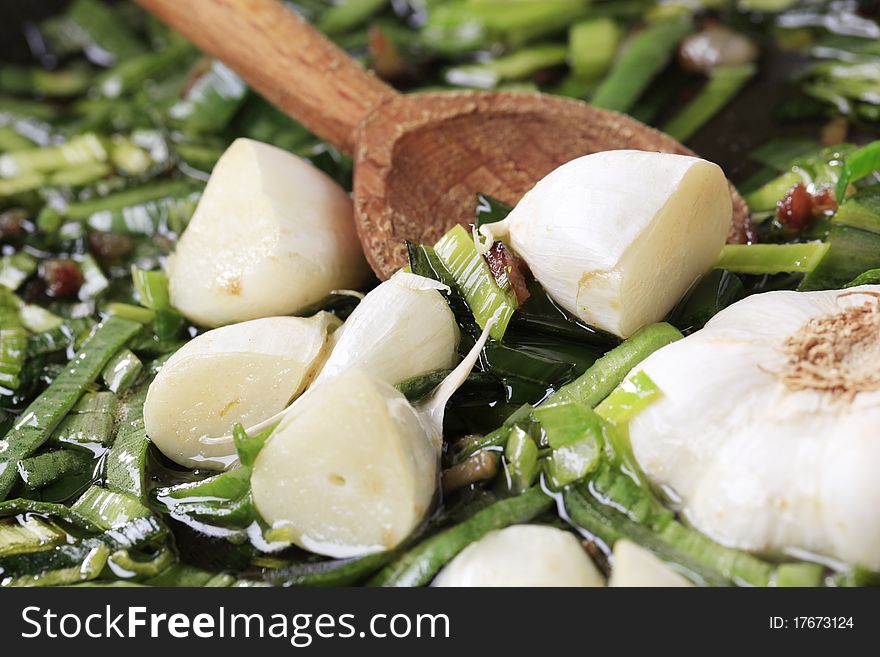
422 159
280 55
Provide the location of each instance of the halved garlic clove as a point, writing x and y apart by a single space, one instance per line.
632 565
522 555
353 467
350 469
271 235
767 425
617 237
401 329
242 373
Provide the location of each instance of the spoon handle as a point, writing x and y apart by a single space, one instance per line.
284 58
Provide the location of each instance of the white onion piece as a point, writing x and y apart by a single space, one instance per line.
617 237
243 373
759 465
635 566
401 329
271 235
522 555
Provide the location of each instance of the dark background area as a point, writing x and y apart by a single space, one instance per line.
14 16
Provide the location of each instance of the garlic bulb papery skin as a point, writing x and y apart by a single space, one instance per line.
271 235
522 555
401 329
350 470
632 565
243 373
761 457
617 237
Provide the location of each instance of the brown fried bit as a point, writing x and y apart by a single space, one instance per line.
479 467
795 210
824 201
12 223
110 246
34 291
598 555
385 56
63 278
508 270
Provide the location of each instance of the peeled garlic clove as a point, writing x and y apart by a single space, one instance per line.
617 237
271 235
349 471
522 555
242 373
635 566
769 447
401 329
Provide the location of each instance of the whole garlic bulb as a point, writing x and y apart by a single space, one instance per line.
767 428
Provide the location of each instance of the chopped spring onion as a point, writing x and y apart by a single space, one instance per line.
771 258
521 455
861 210
475 281
47 468
605 375
211 101
647 54
28 534
90 423
68 334
36 422
419 565
127 459
151 288
16 268
96 27
851 251
515 66
83 149
63 565
132 312
107 509
129 209
575 434
347 15
13 341
724 84
37 319
94 281
122 371
857 165
592 45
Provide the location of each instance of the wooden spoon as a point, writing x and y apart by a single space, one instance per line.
419 159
